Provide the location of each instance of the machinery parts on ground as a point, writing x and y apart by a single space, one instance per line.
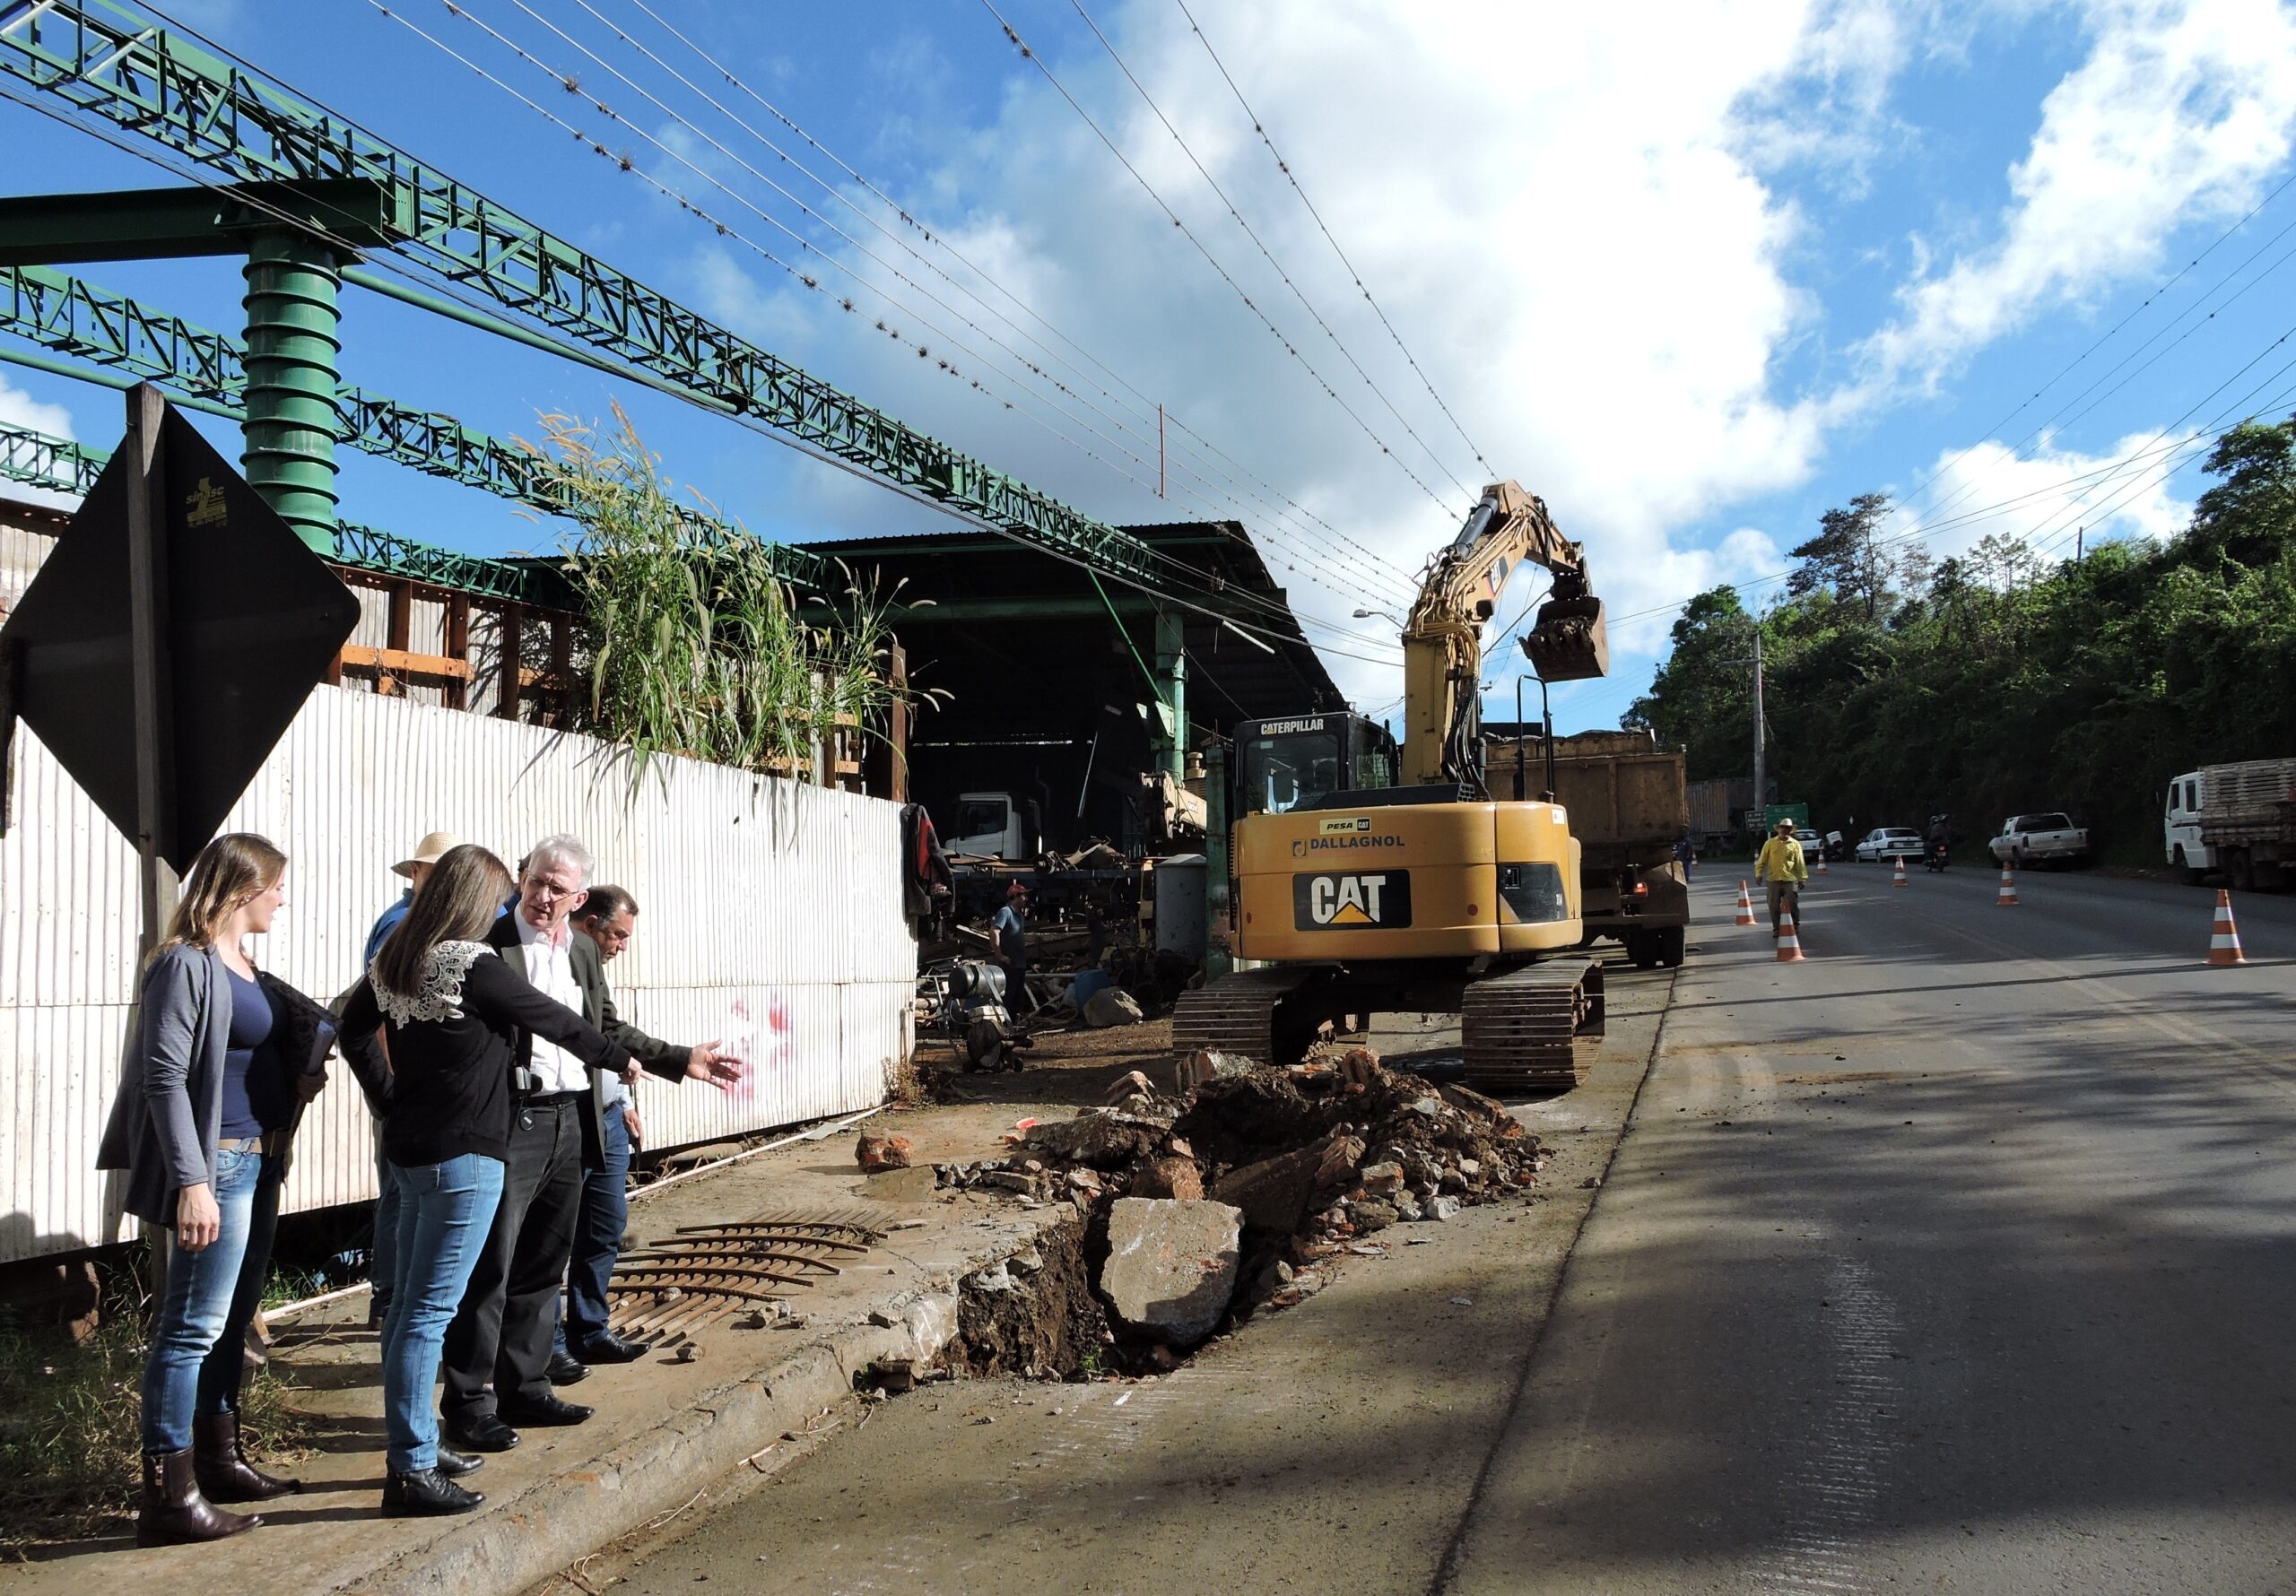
963 1004
1365 896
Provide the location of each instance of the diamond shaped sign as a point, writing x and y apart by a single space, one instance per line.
250 619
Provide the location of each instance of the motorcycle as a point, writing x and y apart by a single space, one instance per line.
1933 858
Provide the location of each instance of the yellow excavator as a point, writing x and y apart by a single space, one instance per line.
1363 887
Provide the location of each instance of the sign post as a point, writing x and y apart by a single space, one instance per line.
147 623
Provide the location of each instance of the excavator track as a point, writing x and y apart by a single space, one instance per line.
1522 1030
1244 1014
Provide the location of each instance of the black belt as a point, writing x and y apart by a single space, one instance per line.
553 1099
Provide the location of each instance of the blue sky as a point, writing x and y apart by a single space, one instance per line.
1693 273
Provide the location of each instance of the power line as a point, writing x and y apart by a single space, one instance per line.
1280 504
1137 477
1289 347
725 229
1292 178
453 290
1265 253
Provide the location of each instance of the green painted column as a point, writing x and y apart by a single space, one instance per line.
1171 687
293 356
1219 957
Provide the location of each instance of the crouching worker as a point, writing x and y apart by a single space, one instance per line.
220 1058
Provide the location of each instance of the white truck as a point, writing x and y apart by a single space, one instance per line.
2040 838
2239 819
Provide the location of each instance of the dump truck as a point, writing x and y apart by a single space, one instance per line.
2239 819
1629 805
1717 808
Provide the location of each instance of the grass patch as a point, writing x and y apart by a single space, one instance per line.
69 1424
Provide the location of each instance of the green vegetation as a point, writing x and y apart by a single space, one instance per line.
694 644
1984 685
69 1413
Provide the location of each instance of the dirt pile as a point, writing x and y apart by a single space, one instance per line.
1315 1157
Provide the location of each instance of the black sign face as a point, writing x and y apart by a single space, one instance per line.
252 617
1352 900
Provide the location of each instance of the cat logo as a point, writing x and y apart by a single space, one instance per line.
1347 824
1379 900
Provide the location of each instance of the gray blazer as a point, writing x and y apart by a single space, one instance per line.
168 1114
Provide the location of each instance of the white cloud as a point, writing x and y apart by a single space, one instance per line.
1579 230
1582 258
2178 115
2051 497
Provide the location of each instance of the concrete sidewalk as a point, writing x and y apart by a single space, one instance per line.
663 1430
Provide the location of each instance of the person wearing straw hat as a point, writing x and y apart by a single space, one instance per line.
1783 868
382 1256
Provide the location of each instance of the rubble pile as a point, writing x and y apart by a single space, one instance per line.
1201 1208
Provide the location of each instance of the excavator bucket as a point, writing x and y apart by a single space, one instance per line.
1570 643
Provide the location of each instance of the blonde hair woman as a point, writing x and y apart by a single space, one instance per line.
220 1058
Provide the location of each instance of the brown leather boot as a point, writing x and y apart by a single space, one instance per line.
173 1512
219 1460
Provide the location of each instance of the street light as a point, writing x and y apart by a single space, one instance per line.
1376 614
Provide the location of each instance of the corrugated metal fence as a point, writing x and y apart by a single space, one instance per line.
769 917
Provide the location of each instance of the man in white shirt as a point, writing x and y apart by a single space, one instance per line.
502 1332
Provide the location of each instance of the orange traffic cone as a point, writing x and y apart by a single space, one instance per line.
1790 946
2007 898
2224 942
1746 906
1900 881
1821 862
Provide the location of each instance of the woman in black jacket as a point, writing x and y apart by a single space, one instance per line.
222 1059
453 1011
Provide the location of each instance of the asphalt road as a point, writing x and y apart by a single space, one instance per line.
1960 1256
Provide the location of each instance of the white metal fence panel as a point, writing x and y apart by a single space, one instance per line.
770 918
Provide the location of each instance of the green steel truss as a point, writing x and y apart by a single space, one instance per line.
112 62
57 464
75 317
40 461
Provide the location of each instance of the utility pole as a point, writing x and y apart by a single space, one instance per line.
1160 451
1761 786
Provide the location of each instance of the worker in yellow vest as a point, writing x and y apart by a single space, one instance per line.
1782 866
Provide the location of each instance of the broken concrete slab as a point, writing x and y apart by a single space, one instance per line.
1171 1265
901 1185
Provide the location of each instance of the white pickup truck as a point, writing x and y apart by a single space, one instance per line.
2051 838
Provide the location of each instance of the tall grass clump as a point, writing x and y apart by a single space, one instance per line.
693 643
70 1415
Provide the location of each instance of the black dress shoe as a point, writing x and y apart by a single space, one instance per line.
424 1493
454 1464
486 1432
566 1369
539 1412
609 1348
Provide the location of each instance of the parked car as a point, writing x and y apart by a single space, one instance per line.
1888 842
2043 839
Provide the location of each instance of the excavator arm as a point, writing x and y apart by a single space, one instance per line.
1443 638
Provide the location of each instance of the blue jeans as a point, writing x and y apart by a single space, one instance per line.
382 1258
444 1212
198 1356
597 1240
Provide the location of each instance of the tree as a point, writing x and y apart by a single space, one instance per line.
2248 514
1702 697
1847 557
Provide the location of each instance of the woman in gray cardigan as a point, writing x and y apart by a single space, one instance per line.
220 1059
